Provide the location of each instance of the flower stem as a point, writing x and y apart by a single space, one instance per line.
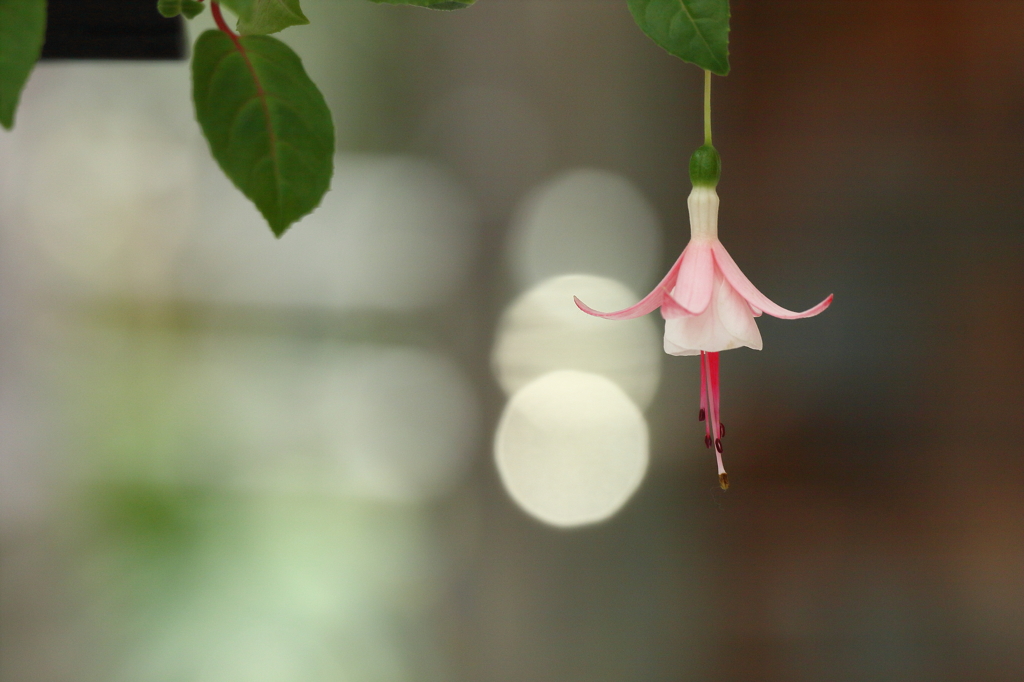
707 107
218 18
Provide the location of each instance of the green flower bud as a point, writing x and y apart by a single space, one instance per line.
705 167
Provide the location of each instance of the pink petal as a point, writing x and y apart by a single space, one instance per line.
757 300
648 304
669 308
696 276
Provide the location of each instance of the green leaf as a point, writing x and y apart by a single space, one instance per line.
267 123
432 4
168 8
191 9
258 17
22 29
270 16
172 8
696 31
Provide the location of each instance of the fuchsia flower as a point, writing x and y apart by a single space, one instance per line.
708 303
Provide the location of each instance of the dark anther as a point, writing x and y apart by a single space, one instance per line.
721 430
700 415
707 441
718 444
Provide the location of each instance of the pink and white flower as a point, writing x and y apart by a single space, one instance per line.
709 306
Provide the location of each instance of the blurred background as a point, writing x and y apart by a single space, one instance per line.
387 447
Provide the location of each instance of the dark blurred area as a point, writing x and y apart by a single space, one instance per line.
226 457
111 29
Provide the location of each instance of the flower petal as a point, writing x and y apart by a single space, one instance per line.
678 337
648 304
696 277
725 324
749 292
736 316
669 307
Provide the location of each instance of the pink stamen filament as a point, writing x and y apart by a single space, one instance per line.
703 414
715 390
703 390
710 388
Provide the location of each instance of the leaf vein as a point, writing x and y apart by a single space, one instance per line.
696 28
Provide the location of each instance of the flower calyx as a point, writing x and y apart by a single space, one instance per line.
705 166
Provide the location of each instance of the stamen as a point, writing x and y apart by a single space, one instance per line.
703 383
713 402
703 414
723 478
708 362
716 393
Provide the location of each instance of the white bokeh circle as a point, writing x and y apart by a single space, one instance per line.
543 331
586 220
571 448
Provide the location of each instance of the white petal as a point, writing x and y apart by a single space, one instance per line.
727 323
671 343
687 334
736 316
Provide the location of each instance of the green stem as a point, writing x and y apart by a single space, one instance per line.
707 107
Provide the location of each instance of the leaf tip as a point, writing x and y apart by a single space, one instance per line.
279 228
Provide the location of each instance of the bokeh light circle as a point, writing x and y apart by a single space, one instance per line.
589 221
543 331
571 448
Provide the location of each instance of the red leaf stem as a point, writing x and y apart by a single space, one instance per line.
218 17
261 94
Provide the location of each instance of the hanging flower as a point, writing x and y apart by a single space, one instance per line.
708 303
